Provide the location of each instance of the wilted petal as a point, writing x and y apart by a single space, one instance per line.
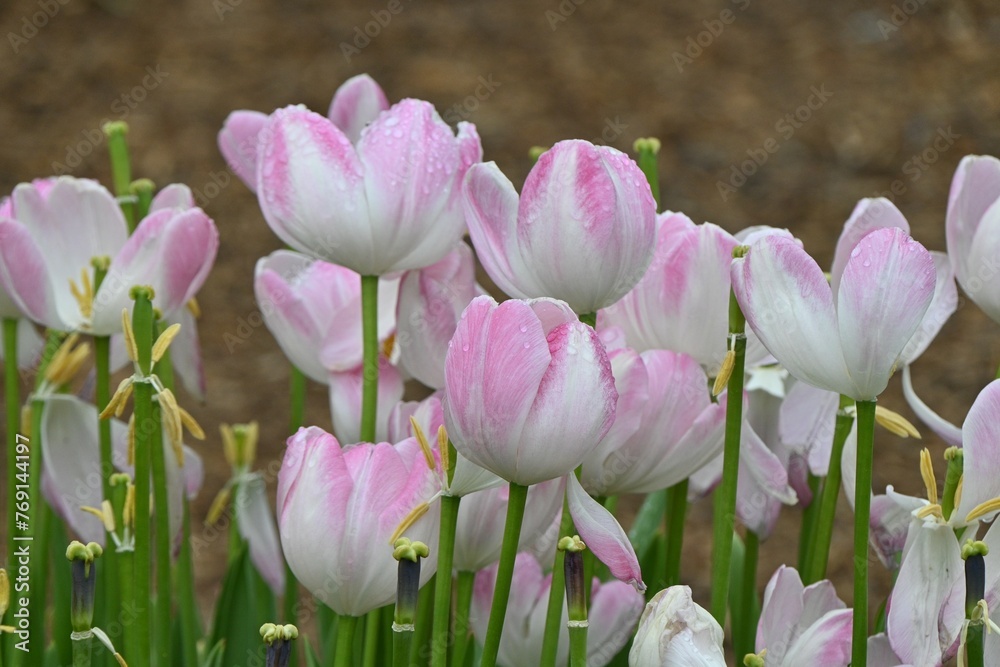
673 630
603 535
944 429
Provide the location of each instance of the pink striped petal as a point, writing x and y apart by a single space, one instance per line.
974 190
175 195
982 266
311 188
24 276
603 535
789 305
345 401
238 143
981 453
868 215
886 288
357 102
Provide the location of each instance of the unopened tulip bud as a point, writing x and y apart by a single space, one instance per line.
84 576
279 643
408 583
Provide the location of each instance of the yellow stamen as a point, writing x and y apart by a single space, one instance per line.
163 341
228 444
927 472
444 449
117 403
105 514
128 512
722 379
193 427
131 439
171 415
958 491
194 308
895 423
930 510
408 521
67 360
131 348
84 295
982 509
388 346
425 446
218 506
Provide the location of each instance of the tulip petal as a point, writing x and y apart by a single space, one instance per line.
808 418
615 608
880 653
981 455
825 643
974 190
943 305
944 429
345 401
762 484
789 305
238 140
886 288
603 535
175 195
185 354
982 266
357 102
868 215
256 525
24 276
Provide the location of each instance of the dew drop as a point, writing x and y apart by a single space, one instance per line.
866 263
524 328
465 348
527 345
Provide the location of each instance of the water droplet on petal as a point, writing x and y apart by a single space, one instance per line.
465 348
524 328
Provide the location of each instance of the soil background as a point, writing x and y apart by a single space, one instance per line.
901 92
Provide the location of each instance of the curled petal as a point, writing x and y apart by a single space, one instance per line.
603 535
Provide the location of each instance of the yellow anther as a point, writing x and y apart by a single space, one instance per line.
895 423
388 346
958 491
425 446
163 341
408 521
131 348
67 361
128 512
930 510
983 509
118 401
443 447
192 426
105 514
84 294
218 506
171 415
239 444
229 449
722 379
194 308
927 473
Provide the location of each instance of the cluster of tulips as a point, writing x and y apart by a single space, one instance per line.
639 353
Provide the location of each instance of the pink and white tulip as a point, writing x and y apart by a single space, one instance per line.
345 390
357 102
849 341
973 230
529 389
614 609
803 625
390 203
431 302
582 231
337 509
674 630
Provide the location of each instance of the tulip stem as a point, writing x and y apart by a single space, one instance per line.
442 594
747 615
590 319
505 573
463 602
819 547
121 170
725 496
161 517
862 511
13 414
677 503
345 640
369 655
82 652
553 614
810 515
190 632
369 329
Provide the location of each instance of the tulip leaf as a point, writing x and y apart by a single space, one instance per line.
311 659
214 657
239 613
647 523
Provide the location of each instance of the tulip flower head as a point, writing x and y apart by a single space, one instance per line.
674 630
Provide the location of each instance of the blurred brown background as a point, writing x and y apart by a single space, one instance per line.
856 97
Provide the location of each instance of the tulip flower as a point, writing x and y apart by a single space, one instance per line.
972 227
678 428
582 231
880 653
529 389
674 630
356 103
848 341
346 397
337 509
803 625
46 253
390 203
431 301
614 609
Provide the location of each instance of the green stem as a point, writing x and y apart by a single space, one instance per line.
557 591
578 646
505 572
747 615
442 594
121 170
807 532
12 394
463 602
142 325
190 632
402 642
62 581
862 511
648 149
589 319
369 656
345 640
161 516
823 535
677 503
369 327
102 395
725 496
974 653
423 623
82 650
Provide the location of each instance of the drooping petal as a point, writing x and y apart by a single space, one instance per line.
789 305
762 484
185 354
603 535
257 526
981 451
889 523
238 142
357 102
941 427
886 288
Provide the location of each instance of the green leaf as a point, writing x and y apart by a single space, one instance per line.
239 614
311 659
214 657
647 523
